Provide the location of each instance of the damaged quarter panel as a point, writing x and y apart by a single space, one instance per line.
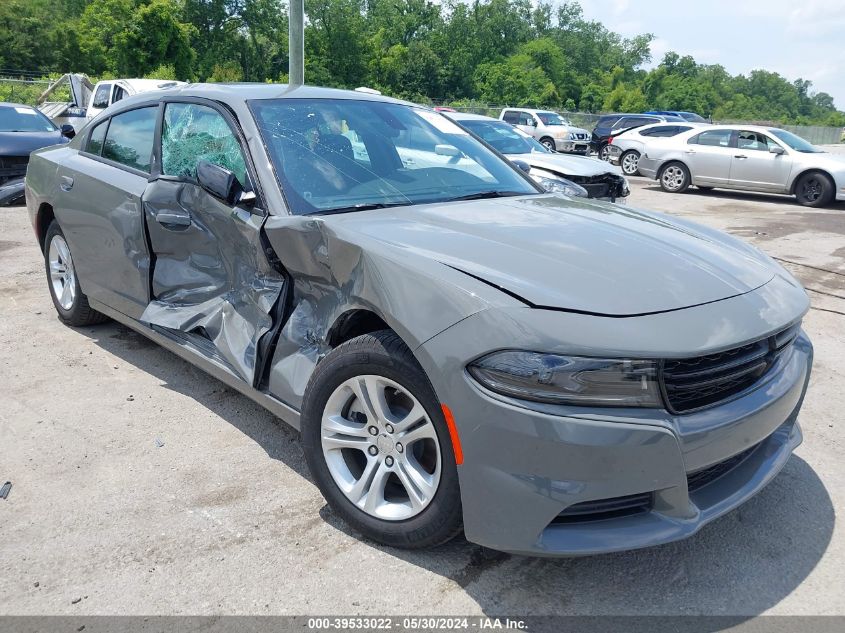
336 270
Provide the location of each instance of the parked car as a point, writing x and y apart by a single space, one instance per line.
111 91
579 176
466 352
692 117
549 128
610 125
746 157
23 129
626 148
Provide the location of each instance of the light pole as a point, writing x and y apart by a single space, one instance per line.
296 43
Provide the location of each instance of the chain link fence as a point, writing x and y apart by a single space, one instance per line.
27 91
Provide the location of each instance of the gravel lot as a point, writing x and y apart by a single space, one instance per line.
221 518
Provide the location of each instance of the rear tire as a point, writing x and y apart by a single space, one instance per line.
604 152
71 304
814 189
674 178
387 468
629 162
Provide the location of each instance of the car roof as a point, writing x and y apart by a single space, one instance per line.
468 116
9 104
648 126
531 110
740 126
255 91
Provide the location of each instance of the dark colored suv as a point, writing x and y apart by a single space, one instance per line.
610 123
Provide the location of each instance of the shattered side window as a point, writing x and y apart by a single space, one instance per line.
192 133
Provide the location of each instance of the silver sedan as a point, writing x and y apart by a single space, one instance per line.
745 157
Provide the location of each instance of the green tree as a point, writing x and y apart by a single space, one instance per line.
155 35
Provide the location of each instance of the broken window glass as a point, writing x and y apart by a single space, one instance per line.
192 133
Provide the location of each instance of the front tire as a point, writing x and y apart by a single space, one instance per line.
548 143
71 304
675 178
378 446
814 190
630 161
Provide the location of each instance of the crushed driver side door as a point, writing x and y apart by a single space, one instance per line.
212 284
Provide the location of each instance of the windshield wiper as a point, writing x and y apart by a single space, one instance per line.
364 206
484 195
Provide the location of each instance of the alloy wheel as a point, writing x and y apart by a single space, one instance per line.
381 448
62 275
630 163
811 189
673 177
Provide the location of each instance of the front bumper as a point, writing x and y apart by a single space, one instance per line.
572 147
525 464
12 192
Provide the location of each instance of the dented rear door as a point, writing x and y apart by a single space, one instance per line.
212 284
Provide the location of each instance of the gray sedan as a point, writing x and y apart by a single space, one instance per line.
459 349
748 158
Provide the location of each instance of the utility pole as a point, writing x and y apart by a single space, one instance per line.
296 43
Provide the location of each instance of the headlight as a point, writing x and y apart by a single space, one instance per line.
569 379
572 136
562 185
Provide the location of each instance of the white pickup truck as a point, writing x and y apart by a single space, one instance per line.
109 91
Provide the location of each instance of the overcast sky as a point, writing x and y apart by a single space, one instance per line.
796 38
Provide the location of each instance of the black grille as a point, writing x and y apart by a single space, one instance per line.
601 186
10 162
605 509
700 478
694 383
12 166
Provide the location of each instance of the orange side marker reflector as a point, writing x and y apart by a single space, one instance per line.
453 433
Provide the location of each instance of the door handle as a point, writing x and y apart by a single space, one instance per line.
690 151
740 156
173 219
66 183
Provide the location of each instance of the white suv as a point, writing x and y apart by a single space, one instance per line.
551 129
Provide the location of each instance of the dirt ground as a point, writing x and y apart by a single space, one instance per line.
143 486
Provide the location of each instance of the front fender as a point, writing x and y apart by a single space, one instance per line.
335 270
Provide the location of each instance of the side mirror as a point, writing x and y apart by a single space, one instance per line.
447 150
68 131
522 165
222 184
776 149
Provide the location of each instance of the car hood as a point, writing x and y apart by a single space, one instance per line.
22 143
554 252
567 164
826 160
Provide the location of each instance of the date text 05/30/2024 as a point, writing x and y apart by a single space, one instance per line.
416 623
